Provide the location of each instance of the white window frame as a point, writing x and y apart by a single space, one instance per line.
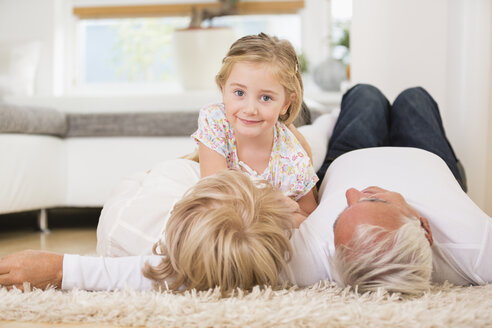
315 22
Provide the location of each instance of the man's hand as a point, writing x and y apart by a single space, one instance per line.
41 269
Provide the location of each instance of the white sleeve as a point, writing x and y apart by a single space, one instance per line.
483 266
106 273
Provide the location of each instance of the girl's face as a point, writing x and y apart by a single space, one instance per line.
253 99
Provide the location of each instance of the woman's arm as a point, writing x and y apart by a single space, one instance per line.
210 161
106 273
42 269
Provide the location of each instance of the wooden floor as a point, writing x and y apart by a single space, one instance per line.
70 231
68 238
81 240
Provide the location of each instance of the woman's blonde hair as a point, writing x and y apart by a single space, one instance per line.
226 232
398 261
263 48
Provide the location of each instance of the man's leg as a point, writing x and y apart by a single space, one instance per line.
416 122
363 122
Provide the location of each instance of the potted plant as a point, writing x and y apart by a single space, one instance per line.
199 50
227 7
335 70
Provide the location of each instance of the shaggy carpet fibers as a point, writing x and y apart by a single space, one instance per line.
323 305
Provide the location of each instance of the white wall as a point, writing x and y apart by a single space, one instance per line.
488 193
444 46
468 91
31 20
316 37
394 43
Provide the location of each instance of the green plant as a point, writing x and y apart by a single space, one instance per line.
345 39
198 16
303 62
342 42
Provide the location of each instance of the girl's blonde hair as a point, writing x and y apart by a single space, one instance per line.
263 48
226 232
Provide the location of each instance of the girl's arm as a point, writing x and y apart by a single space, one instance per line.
308 202
302 208
210 161
302 140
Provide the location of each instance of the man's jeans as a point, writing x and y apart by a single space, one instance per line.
367 119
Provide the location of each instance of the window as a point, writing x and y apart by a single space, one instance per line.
127 50
341 12
136 50
120 49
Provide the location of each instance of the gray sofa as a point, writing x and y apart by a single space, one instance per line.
51 159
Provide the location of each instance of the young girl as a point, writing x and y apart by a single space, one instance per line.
252 129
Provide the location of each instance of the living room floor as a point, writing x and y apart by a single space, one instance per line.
70 231
62 240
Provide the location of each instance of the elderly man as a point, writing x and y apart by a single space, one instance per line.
392 213
361 233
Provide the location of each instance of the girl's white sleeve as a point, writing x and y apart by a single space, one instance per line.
106 273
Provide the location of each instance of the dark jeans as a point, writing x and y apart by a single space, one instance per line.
367 119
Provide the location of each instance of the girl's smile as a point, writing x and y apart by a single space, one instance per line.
249 122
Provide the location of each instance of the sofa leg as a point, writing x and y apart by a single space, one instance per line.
43 221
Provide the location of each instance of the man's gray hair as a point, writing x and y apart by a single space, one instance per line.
398 260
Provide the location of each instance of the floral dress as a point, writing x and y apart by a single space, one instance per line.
289 169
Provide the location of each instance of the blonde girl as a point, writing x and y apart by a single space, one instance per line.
251 130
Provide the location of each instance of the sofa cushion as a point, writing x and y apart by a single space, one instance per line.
132 124
171 123
37 120
32 120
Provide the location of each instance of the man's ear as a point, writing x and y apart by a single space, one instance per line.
424 223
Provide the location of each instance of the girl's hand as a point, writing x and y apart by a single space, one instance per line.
298 216
291 205
308 202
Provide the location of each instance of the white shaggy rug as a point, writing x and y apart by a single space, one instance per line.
323 305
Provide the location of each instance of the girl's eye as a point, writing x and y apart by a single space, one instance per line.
239 93
266 98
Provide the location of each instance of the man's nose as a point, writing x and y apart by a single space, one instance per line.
353 196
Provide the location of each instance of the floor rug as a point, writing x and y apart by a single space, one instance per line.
322 305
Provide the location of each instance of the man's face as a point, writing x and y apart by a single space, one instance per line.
374 206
